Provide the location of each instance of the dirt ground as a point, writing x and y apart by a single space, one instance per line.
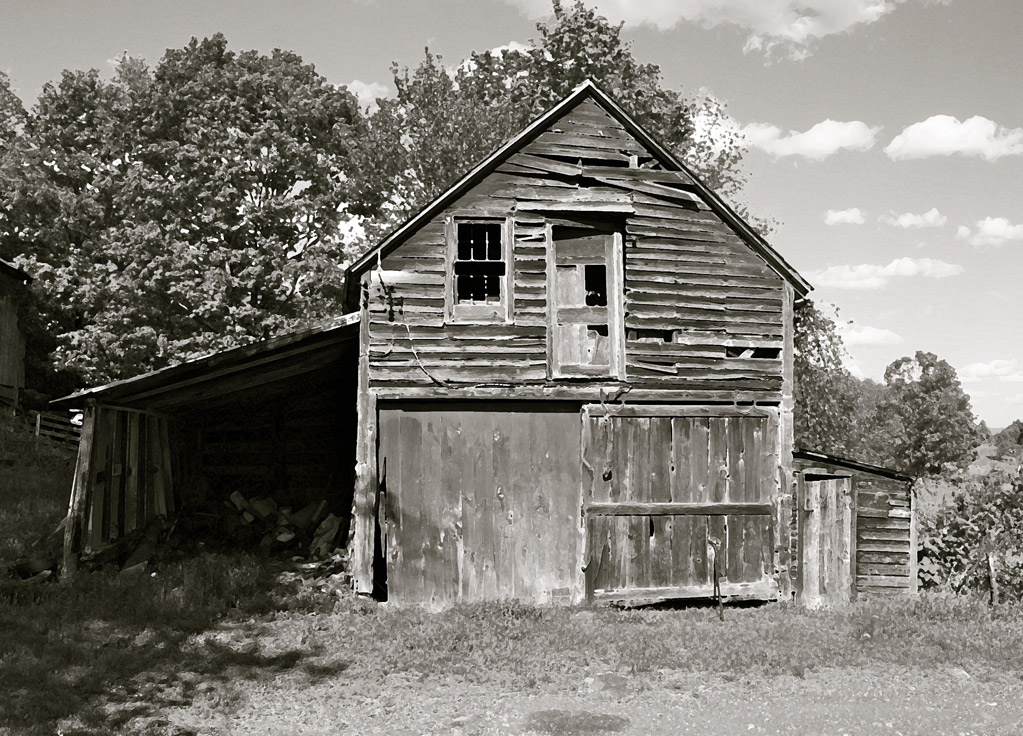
877 700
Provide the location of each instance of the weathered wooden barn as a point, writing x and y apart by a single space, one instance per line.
12 341
568 378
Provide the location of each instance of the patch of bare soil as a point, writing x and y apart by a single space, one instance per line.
878 699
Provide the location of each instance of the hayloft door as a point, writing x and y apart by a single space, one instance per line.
585 334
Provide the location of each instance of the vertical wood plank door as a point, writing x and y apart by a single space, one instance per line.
661 489
825 528
480 502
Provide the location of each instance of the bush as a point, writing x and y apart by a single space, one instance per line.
952 555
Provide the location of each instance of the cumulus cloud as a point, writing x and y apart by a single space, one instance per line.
991 231
907 220
367 93
876 276
851 216
1005 371
944 135
822 140
865 335
791 26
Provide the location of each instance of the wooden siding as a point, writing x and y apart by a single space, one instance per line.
123 478
697 299
480 502
12 347
659 487
884 539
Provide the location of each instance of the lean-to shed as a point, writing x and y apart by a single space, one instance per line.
568 378
854 530
12 341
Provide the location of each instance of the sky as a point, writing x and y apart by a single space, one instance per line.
885 136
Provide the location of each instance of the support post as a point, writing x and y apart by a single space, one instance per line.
80 491
786 440
364 502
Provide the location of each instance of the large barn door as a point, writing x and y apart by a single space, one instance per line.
664 485
479 502
825 525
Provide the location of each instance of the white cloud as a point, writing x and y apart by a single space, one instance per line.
874 276
822 140
866 335
991 231
367 93
907 220
788 25
1004 371
944 135
851 216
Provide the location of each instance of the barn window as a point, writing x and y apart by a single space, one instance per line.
479 271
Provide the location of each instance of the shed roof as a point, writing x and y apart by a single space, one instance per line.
9 269
243 367
587 90
820 457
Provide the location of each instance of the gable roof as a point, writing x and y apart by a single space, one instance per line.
587 90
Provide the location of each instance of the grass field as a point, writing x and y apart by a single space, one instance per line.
217 644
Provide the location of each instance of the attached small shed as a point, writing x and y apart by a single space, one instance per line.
854 529
276 417
568 378
13 283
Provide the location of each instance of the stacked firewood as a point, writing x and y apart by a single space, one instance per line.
281 527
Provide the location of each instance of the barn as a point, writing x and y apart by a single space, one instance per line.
567 379
12 341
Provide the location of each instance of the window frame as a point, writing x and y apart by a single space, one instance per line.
498 312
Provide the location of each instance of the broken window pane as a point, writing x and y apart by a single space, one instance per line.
479 266
596 285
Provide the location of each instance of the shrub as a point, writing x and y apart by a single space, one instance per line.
953 539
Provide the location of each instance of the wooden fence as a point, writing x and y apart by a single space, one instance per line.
55 426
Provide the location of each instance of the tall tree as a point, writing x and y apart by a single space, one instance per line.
188 208
929 420
442 121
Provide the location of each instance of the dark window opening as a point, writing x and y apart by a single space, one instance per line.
750 352
652 335
598 329
478 282
595 277
479 265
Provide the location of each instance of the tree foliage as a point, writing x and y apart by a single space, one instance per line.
170 212
926 416
443 121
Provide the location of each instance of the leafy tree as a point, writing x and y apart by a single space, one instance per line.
1010 440
170 212
929 421
443 121
835 411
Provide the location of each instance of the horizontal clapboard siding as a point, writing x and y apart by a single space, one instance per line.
693 289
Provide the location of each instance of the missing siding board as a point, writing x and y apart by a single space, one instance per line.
652 335
751 352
